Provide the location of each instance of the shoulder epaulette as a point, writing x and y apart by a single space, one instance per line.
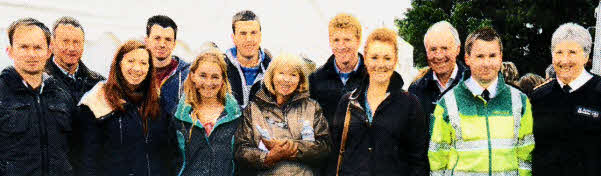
543 84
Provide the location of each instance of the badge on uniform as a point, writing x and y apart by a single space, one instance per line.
587 112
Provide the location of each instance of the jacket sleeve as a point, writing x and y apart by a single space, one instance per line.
314 152
247 152
525 144
441 141
175 150
92 142
417 139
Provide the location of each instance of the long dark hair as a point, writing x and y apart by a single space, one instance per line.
116 86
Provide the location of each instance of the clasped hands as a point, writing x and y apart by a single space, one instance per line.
279 149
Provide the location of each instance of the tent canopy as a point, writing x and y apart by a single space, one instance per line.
294 26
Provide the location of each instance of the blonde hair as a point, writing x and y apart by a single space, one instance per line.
193 98
345 21
382 35
295 63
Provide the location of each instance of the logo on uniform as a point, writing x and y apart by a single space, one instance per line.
584 111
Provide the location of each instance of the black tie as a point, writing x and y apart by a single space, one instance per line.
566 89
486 95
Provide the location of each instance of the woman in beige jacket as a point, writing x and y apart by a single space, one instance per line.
283 131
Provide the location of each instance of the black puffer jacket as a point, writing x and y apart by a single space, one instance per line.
115 142
393 144
34 127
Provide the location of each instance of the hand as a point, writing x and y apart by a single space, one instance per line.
269 144
292 150
285 150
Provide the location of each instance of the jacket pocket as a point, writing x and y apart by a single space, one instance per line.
14 119
61 115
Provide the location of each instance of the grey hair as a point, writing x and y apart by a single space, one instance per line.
67 20
572 32
443 25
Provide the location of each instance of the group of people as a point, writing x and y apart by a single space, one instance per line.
245 112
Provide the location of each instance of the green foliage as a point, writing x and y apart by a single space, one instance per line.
526 27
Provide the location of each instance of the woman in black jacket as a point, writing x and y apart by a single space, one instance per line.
126 134
387 127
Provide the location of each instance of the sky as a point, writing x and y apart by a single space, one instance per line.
293 26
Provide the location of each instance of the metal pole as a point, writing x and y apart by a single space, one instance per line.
597 48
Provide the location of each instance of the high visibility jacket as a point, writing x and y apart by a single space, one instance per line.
470 136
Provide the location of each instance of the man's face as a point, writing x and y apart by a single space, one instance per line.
29 50
485 60
67 45
161 42
247 38
441 51
568 60
344 44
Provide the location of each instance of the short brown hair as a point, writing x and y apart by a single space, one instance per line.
510 72
163 21
245 15
529 82
211 55
345 21
382 35
487 34
27 22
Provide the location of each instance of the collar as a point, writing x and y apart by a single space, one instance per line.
44 78
72 76
234 53
441 87
477 90
230 112
578 82
96 101
266 96
355 69
394 87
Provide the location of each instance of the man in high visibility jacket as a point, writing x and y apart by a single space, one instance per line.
482 126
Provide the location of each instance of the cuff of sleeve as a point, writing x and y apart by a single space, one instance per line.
262 157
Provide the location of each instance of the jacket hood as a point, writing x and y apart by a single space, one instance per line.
264 96
181 65
96 101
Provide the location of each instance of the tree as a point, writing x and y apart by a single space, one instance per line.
525 27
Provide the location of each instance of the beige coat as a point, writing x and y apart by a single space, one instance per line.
300 119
